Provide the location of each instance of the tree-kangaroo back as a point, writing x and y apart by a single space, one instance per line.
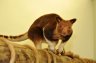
35 31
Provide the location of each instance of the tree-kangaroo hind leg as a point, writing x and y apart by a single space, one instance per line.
35 34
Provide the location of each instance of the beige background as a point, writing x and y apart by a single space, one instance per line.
94 27
16 16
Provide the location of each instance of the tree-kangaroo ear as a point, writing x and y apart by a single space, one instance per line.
58 19
73 20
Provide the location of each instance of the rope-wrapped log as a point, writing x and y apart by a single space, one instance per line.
16 53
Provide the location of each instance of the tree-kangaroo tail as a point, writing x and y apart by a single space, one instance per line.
16 38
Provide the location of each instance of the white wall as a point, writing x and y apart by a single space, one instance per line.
16 16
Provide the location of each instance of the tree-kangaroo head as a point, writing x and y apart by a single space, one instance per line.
64 29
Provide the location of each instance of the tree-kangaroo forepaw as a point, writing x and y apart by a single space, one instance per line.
60 52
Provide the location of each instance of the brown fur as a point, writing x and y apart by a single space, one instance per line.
55 28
